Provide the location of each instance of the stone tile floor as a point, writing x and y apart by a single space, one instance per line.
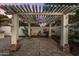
33 47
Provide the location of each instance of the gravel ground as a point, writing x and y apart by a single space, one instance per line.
32 47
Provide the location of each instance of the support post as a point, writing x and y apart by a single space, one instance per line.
29 29
64 33
15 29
50 32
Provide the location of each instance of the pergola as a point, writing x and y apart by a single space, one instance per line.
49 13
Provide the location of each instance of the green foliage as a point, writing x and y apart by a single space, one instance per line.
58 22
25 31
3 16
22 24
34 25
47 6
77 24
31 19
75 18
76 34
2 19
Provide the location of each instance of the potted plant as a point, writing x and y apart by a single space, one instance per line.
25 30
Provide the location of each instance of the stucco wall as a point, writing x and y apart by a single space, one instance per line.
35 30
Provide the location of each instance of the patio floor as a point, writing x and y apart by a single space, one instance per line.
33 47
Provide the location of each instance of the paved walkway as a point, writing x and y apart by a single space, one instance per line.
34 47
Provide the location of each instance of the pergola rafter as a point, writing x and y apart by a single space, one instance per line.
26 8
34 9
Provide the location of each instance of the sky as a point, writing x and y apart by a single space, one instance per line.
40 1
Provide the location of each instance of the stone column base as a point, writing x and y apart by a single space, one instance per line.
49 36
66 48
14 48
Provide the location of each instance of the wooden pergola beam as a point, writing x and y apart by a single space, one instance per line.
43 13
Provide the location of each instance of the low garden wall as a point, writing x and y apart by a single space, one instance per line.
35 30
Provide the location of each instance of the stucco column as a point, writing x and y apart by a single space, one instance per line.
14 39
50 32
64 33
15 27
29 29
